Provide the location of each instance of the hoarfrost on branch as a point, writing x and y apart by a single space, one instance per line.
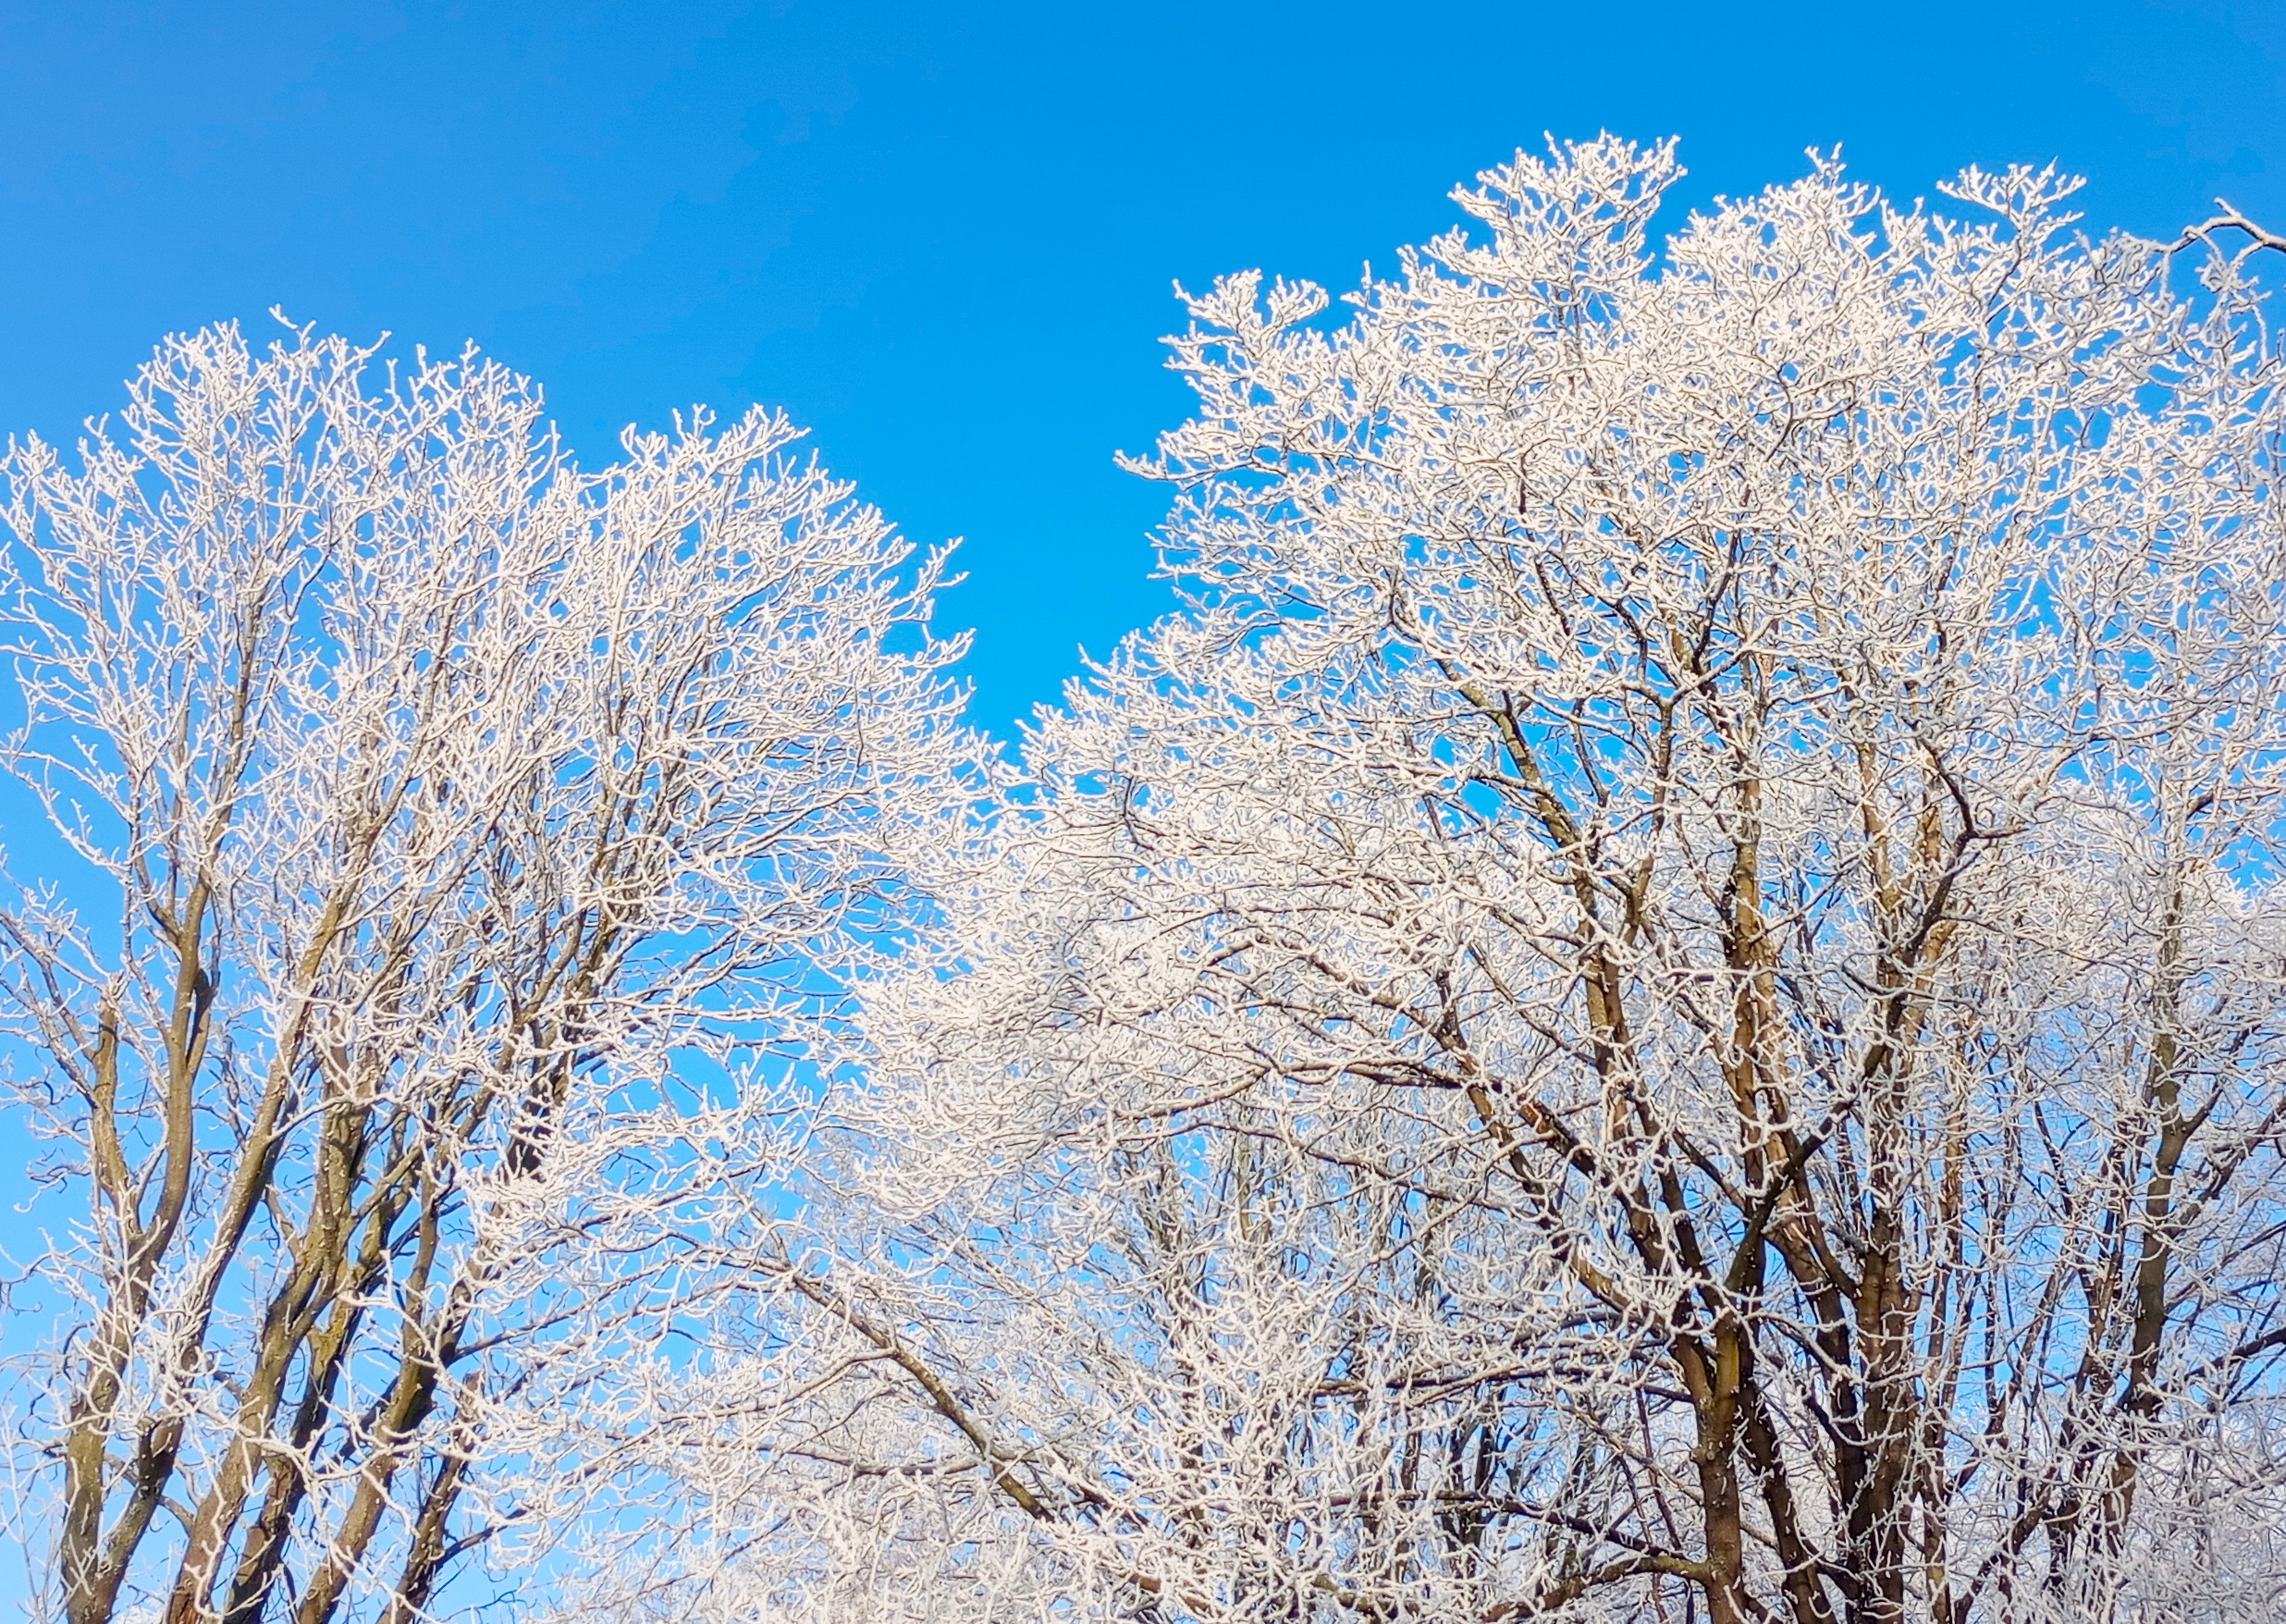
1663 1000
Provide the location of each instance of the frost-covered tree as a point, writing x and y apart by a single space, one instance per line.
444 834
1665 1000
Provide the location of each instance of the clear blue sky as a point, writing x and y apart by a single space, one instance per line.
942 235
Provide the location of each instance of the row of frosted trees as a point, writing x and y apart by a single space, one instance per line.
1663 1000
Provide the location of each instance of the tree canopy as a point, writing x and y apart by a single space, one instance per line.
1663 998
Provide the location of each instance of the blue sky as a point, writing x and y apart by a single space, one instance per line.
942 236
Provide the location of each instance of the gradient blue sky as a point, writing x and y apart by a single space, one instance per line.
942 236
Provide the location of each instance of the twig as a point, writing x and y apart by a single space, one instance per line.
2231 218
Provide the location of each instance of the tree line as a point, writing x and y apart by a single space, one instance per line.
1660 1000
